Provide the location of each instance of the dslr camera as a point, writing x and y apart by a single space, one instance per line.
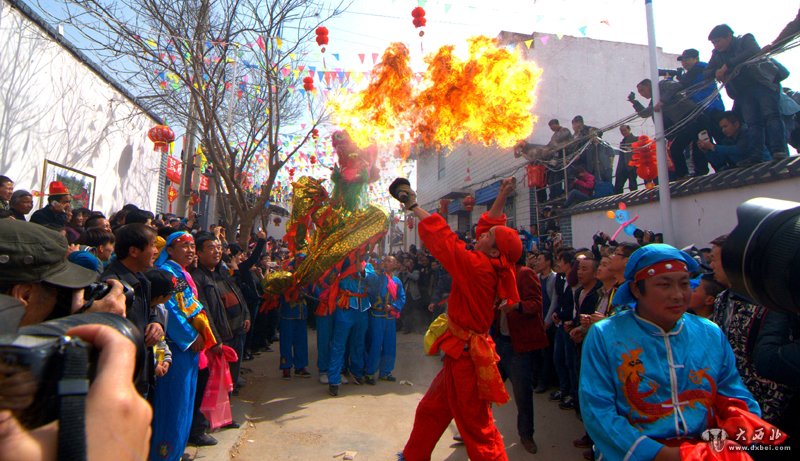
62 366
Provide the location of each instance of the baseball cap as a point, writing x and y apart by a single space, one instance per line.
690 53
33 253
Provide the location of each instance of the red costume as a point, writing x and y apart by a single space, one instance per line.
469 381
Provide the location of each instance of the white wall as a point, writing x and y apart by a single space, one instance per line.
698 219
53 107
581 76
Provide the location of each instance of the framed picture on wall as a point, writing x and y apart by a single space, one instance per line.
80 184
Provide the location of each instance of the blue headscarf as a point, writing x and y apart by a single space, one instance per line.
163 256
645 257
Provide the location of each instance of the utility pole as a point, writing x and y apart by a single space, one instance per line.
190 172
664 200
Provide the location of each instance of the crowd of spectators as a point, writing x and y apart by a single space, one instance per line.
700 132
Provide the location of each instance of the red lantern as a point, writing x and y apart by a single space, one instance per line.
291 172
410 222
277 221
162 136
315 134
312 159
308 84
322 37
537 176
644 158
468 202
418 14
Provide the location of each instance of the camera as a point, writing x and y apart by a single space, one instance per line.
761 256
45 351
671 73
99 290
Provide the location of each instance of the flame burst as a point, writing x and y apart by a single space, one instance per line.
484 99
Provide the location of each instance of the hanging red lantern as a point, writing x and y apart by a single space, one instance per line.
291 172
277 221
312 159
644 158
410 222
468 202
537 176
162 136
322 37
315 134
308 84
418 14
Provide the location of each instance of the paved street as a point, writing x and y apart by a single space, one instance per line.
297 421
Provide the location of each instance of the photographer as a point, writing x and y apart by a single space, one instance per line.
117 418
34 270
677 109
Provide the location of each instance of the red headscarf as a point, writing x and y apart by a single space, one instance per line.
509 245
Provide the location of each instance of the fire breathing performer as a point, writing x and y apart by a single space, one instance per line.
657 383
469 382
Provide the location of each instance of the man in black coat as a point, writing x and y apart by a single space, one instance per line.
135 249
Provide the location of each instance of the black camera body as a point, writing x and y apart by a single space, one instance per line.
99 290
671 73
42 349
761 256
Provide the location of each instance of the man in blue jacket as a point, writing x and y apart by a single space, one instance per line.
387 298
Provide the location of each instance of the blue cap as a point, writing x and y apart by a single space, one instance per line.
85 259
645 257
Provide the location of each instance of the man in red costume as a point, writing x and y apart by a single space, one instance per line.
469 381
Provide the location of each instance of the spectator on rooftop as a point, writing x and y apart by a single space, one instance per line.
732 150
625 172
582 187
754 85
692 82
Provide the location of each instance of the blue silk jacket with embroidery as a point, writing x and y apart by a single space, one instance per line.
639 384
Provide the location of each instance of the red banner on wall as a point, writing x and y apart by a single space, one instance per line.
174 168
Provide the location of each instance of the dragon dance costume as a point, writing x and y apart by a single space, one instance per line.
642 388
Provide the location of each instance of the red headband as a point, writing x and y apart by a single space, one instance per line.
661 267
184 238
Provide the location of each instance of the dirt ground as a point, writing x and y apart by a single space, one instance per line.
298 421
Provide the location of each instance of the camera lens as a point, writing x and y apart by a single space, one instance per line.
761 256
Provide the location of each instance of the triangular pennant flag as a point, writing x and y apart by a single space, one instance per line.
559 35
447 7
528 43
374 58
260 42
361 57
321 75
336 55
544 39
279 41
582 30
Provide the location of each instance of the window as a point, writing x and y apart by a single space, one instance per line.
440 163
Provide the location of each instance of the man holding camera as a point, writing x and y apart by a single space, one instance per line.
136 249
677 109
38 284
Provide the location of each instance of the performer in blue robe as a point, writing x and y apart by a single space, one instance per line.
650 376
174 394
387 298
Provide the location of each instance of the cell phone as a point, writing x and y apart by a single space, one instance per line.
703 136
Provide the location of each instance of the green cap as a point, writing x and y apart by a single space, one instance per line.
32 253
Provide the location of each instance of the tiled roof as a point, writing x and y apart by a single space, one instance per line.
774 170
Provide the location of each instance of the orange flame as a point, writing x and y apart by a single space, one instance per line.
485 99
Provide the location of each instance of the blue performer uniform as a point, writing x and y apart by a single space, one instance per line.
350 323
294 332
643 388
387 298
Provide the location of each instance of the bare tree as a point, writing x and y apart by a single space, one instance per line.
220 67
